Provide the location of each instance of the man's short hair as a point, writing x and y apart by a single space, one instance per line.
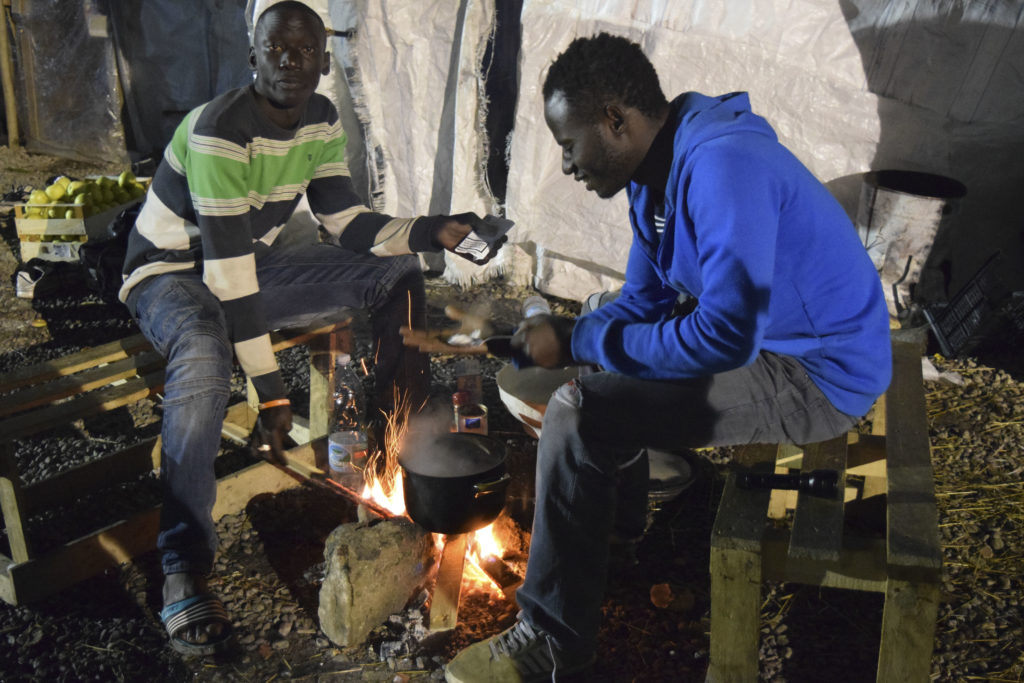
291 4
595 71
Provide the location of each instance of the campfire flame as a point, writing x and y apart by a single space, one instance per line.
383 485
383 474
482 546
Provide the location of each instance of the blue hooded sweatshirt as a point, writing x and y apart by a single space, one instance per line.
769 254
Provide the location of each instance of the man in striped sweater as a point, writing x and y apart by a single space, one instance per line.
207 277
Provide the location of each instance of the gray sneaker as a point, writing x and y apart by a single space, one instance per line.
519 654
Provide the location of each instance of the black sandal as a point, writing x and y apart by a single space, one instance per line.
202 608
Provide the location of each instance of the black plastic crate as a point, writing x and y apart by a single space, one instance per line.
1015 311
977 311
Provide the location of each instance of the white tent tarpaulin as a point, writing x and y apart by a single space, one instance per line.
796 59
849 86
405 77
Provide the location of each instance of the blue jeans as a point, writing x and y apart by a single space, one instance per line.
590 481
185 323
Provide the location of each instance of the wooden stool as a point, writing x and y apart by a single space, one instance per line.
103 378
903 560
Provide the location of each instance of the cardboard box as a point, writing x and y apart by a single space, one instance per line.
50 251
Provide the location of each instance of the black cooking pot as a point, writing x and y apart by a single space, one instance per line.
455 483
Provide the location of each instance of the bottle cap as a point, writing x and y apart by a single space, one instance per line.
535 305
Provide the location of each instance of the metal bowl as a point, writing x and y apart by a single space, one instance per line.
526 392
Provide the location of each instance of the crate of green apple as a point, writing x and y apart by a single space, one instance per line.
58 218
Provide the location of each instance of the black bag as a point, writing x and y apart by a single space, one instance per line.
103 259
42 279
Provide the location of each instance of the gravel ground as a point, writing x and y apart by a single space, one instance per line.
270 559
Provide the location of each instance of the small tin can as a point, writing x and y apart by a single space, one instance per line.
469 417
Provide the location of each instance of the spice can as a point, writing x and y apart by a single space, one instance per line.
469 416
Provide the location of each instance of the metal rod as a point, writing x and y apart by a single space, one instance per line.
315 476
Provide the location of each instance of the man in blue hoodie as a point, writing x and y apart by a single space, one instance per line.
788 340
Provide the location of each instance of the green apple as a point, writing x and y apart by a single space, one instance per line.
55 192
38 197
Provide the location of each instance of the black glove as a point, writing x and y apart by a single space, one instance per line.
269 438
485 238
544 340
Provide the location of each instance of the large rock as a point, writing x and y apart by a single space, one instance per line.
373 569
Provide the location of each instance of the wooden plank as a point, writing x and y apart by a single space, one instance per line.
444 602
740 520
300 429
72 363
93 403
287 338
789 455
864 449
908 631
6 585
239 422
912 517
818 522
860 566
735 567
782 500
735 615
7 79
115 356
756 454
304 469
124 465
23 579
87 380
26 52
322 354
865 457
321 377
122 348
84 557
81 558
879 417
11 500
234 491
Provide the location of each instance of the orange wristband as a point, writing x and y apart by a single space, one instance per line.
276 402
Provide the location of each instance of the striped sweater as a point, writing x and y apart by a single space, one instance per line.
229 181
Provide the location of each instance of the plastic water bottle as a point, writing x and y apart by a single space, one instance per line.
535 305
346 457
346 443
347 394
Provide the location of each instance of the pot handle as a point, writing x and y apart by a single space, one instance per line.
485 488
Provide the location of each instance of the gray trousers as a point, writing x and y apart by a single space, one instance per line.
591 482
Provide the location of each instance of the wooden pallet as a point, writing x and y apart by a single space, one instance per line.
102 378
903 559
